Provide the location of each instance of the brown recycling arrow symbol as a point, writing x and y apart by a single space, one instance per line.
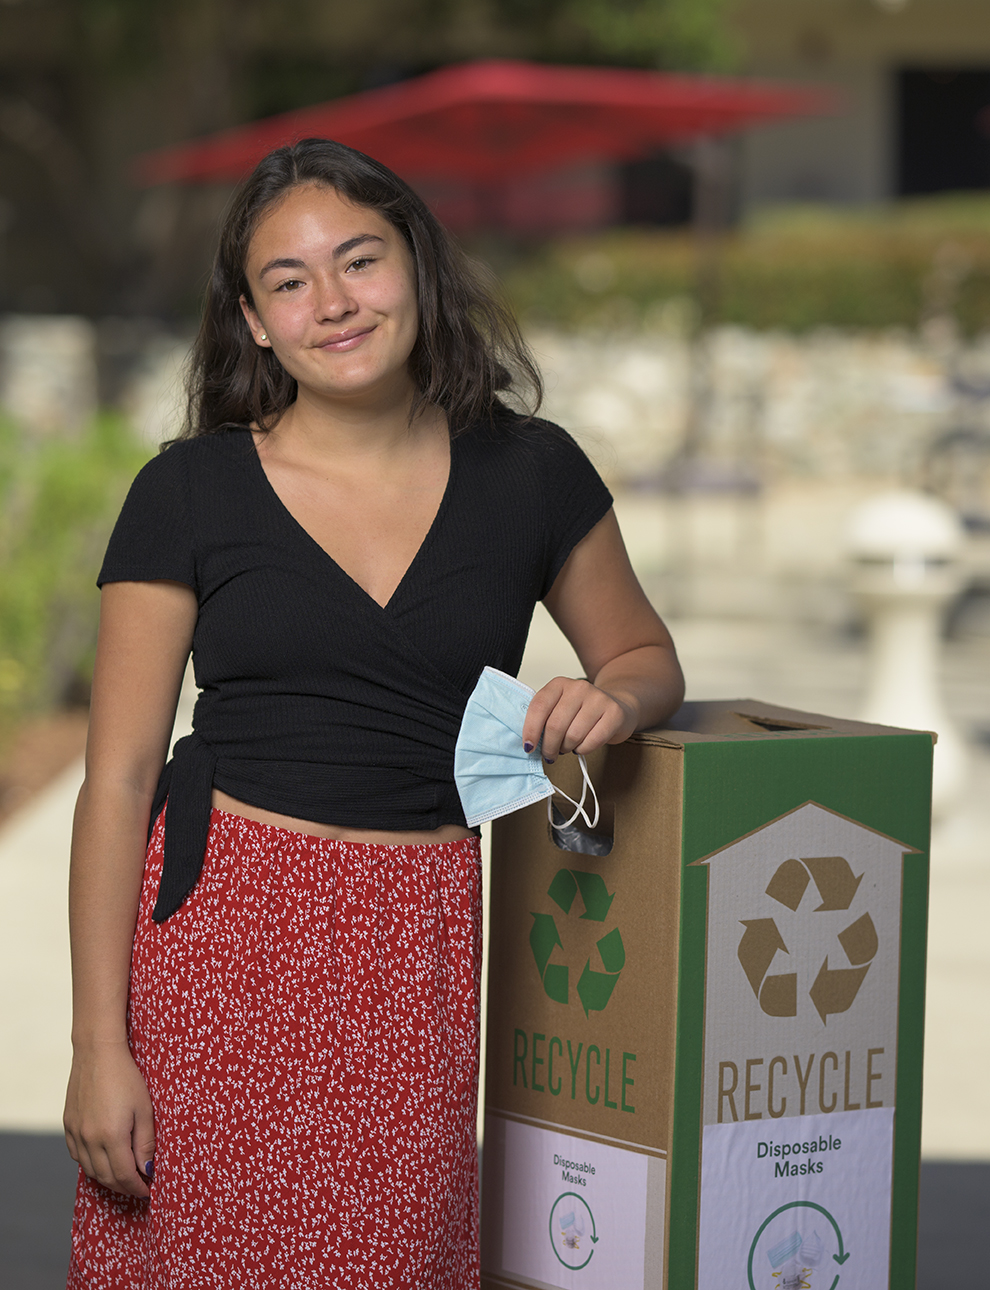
789 884
761 941
834 989
834 879
859 940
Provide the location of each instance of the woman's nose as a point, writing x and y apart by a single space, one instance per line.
333 301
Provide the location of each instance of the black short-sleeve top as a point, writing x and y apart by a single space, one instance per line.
317 702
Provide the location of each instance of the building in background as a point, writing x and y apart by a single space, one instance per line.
916 79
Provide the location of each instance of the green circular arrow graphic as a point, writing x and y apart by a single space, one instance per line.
839 1258
594 1230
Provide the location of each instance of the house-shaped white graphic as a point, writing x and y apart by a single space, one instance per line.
802 965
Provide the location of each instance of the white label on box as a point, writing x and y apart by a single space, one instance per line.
802 970
575 1211
797 1204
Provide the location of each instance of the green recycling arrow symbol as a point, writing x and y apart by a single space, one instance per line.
594 988
543 937
595 895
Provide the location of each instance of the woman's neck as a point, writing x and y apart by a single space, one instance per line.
337 430
367 425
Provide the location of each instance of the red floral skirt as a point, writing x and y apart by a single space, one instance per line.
307 1024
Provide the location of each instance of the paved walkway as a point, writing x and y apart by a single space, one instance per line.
35 1004
804 669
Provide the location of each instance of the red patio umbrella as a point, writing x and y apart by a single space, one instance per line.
490 122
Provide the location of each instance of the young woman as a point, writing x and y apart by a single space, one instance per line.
276 993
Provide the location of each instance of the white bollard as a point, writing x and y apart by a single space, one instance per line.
905 547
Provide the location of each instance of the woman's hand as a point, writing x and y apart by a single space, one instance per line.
109 1125
576 716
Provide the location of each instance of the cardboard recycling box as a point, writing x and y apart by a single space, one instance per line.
704 1047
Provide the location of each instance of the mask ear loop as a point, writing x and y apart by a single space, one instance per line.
579 805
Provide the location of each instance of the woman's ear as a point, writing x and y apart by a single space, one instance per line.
254 323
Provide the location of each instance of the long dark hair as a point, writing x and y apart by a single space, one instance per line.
469 347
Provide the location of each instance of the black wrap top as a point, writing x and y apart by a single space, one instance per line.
316 701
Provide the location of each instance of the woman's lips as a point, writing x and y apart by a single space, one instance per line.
346 340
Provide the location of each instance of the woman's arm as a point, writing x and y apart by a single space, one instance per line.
623 646
144 641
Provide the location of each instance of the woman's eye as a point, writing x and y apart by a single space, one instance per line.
361 263
290 285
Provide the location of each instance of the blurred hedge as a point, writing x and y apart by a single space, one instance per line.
58 501
793 269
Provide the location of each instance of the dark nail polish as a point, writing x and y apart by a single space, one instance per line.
549 760
528 747
149 1168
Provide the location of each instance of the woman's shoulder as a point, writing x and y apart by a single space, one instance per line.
529 441
507 431
182 457
169 479
214 445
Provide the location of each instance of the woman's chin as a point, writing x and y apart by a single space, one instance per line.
373 388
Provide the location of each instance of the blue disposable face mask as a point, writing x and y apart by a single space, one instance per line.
493 772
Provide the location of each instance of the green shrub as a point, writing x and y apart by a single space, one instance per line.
792 269
58 501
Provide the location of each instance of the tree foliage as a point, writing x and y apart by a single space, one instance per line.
681 34
58 500
87 84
